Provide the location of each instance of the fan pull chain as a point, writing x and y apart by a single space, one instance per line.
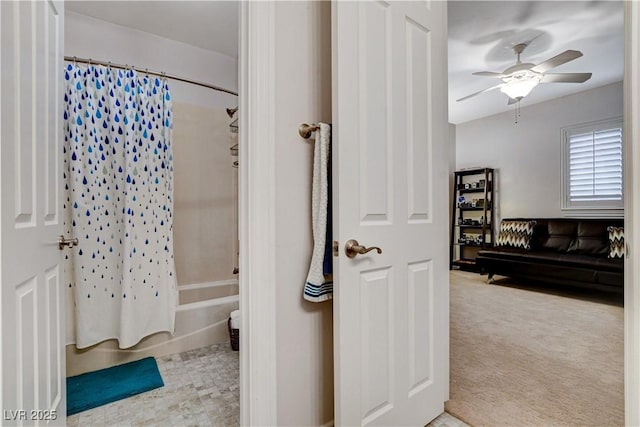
517 112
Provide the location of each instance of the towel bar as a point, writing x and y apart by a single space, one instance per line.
306 130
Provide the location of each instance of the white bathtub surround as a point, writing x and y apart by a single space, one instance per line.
317 288
119 176
206 291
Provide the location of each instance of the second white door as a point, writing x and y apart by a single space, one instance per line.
391 316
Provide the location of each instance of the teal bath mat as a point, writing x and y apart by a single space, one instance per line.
98 388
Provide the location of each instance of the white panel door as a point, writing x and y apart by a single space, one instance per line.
391 316
32 298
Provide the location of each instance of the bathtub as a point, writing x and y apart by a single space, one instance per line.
201 320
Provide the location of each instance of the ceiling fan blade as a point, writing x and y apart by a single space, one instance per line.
563 58
488 74
566 78
513 101
479 92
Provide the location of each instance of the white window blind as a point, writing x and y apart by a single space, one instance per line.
595 165
592 175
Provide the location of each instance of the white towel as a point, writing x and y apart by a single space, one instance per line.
317 288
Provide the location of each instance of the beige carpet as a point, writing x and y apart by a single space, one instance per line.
529 356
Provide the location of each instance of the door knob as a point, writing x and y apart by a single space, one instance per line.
67 243
353 248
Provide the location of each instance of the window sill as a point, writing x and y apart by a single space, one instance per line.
592 213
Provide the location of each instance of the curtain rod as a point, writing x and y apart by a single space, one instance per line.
153 73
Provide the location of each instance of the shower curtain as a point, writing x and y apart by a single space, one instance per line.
119 182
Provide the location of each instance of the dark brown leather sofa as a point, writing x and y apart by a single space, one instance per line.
563 251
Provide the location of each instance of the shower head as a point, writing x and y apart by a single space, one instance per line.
231 111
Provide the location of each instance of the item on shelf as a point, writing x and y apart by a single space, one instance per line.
460 221
474 203
481 220
474 185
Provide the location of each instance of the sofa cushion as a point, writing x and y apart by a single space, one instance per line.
592 238
512 255
552 258
558 236
616 242
516 234
610 264
590 262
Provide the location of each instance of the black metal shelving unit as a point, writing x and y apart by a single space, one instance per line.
473 194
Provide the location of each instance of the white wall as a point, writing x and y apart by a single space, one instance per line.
304 330
87 37
527 155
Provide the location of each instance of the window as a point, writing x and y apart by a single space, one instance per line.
592 177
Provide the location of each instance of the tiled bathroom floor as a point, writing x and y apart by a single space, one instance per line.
447 420
200 389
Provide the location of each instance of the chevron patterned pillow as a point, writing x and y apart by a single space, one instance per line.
616 242
516 234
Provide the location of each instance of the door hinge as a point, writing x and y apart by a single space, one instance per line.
335 248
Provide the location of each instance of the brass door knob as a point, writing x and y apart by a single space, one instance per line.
353 248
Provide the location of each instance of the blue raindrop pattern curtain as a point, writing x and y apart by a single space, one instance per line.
119 179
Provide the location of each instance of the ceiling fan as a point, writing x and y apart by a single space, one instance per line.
519 79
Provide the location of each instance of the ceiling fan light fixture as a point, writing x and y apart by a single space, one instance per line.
519 88
520 79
